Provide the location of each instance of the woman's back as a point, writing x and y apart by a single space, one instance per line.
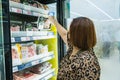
82 66
80 63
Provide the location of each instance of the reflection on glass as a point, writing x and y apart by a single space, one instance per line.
108 48
2 71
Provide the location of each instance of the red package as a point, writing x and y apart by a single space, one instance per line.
31 50
24 75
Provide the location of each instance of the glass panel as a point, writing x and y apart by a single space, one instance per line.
108 48
2 67
107 24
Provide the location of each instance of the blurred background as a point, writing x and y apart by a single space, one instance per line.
106 17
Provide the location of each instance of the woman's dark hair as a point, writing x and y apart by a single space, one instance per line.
82 33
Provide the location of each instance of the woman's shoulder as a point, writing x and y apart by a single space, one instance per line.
86 55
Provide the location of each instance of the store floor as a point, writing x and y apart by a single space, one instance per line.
110 68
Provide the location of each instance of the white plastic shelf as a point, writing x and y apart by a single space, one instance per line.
28 10
19 36
45 76
29 62
21 39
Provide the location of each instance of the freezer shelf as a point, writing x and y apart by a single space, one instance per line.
20 39
43 58
28 10
47 75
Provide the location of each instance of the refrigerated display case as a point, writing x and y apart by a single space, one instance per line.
28 45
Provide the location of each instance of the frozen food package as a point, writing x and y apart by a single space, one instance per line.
15 27
47 24
42 49
31 49
40 5
16 1
24 75
28 50
16 60
41 68
24 51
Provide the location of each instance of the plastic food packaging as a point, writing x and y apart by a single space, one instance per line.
42 49
24 75
28 50
41 68
47 24
45 7
15 27
16 1
31 49
16 55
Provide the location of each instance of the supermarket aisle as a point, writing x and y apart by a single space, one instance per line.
110 68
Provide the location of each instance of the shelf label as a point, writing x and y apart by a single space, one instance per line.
16 10
34 38
15 69
12 39
27 38
23 38
27 12
35 62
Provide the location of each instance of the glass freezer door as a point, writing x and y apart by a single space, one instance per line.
2 65
5 43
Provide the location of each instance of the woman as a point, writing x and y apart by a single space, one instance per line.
80 63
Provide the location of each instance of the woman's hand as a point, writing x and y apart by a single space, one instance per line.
53 20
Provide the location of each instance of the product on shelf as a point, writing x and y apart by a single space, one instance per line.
42 49
41 68
16 1
24 75
15 27
43 23
47 24
40 5
36 4
33 3
28 50
28 27
45 7
16 55
31 49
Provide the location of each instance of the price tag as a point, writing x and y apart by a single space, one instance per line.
15 69
16 10
12 39
27 12
38 37
23 38
27 38
34 38
35 62
19 11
